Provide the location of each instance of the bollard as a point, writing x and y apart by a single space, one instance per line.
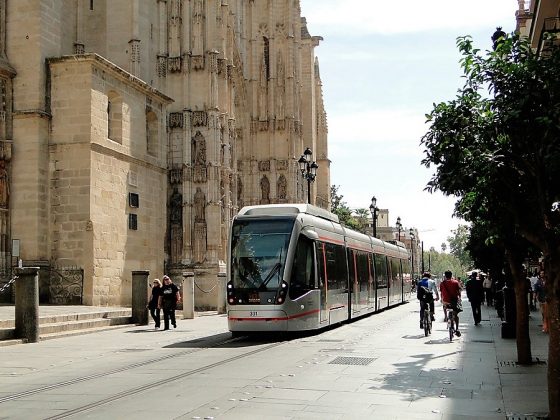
27 303
188 295
140 287
222 278
510 313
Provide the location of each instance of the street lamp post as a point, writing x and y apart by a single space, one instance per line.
308 170
373 208
412 237
399 226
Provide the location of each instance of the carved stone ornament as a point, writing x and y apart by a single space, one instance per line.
200 174
197 62
222 66
199 118
162 65
175 176
213 59
282 187
263 125
175 120
280 125
281 165
174 64
264 165
79 48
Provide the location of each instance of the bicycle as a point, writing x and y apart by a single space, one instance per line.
427 319
452 322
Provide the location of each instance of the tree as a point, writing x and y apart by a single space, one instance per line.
457 245
341 209
497 147
362 219
443 247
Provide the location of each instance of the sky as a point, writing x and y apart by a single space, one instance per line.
383 65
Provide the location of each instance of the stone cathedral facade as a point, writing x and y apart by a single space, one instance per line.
132 131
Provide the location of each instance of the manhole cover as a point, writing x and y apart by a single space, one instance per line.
362 361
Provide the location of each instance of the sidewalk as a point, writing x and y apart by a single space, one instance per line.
404 375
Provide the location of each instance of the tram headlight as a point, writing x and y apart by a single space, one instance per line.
282 292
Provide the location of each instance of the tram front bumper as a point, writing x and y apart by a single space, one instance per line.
257 320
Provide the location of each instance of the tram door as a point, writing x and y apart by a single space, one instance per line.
321 258
382 283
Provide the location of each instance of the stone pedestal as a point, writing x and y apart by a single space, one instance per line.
188 295
140 287
222 279
27 303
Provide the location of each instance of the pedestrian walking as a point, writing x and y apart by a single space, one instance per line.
487 286
168 300
532 293
475 293
153 304
542 298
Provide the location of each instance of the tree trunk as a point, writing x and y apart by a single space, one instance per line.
523 340
552 273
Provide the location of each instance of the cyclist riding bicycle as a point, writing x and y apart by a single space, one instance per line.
451 297
426 287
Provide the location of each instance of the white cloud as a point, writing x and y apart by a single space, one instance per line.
355 17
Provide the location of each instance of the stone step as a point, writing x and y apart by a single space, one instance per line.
4 343
7 333
83 324
70 333
79 316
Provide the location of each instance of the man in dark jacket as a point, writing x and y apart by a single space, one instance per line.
475 293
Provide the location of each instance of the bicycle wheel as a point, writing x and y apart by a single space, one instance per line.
450 325
427 322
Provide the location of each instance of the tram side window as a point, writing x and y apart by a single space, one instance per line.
336 272
381 271
395 270
303 270
363 272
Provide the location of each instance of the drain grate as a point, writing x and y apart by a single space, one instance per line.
529 416
483 341
513 363
361 361
326 340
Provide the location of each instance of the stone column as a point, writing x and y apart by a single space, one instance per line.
222 279
140 297
188 295
27 304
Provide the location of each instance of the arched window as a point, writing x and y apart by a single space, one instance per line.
152 133
114 116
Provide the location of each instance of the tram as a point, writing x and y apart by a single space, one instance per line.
294 267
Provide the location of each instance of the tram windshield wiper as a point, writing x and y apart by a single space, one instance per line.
271 273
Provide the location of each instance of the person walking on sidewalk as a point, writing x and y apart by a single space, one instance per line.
153 304
475 293
451 296
168 302
487 286
540 291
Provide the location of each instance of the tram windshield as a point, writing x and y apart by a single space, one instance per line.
258 253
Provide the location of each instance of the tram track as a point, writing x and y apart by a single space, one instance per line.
86 378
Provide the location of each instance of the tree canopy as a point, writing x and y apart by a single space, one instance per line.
496 146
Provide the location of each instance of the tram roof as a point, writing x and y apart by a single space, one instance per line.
286 210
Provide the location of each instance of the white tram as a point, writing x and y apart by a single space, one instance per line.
293 267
